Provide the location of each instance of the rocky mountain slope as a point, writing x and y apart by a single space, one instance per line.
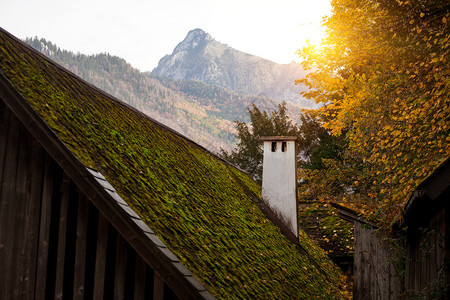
199 56
202 112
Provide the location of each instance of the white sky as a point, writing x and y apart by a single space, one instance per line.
143 31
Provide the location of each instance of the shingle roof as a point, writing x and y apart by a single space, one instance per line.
203 209
321 221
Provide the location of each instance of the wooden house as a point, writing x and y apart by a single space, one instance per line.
418 265
97 200
427 221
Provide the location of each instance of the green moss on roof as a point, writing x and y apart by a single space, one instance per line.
322 223
200 206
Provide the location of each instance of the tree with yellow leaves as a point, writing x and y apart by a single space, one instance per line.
382 74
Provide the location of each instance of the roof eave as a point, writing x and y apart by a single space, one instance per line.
350 215
429 190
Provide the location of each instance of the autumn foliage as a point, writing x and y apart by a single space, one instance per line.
382 75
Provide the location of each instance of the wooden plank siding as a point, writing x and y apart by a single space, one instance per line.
374 274
426 256
427 219
54 243
426 259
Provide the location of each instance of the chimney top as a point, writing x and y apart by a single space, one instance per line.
278 138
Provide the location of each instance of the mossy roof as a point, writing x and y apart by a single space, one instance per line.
322 223
200 206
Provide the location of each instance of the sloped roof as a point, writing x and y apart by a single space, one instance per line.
430 195
203 209
322 222
349 213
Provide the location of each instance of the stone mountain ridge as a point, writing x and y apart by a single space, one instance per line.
200 57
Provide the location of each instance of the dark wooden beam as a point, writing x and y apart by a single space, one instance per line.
60 258
44 229
139 278
10 211
121 261
158 287
80 250
100 257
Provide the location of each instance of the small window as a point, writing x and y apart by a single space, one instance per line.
283 147
274 146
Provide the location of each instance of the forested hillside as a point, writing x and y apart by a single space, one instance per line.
201 112
228 105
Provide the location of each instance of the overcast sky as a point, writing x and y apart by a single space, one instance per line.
143 31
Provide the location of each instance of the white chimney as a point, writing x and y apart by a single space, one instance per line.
279 182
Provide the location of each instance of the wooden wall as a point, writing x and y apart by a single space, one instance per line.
53 242
374 275
427 257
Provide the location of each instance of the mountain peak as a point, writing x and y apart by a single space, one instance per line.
193 39
200 57
197 31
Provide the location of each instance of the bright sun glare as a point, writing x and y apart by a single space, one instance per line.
309 22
